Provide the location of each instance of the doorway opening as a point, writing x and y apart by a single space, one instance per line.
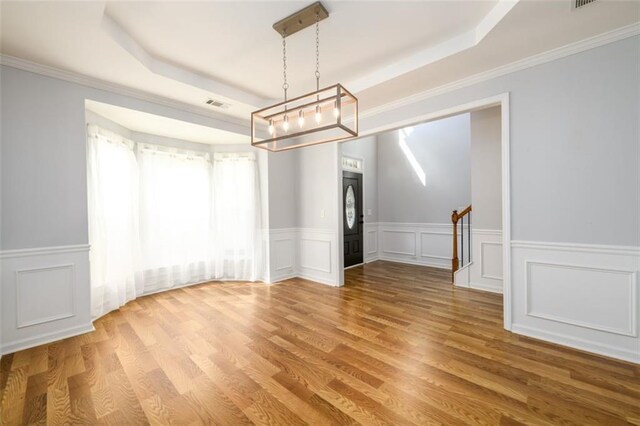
383 240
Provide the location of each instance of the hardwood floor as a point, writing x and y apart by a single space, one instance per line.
396 345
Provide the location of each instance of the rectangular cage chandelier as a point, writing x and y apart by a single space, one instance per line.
325 115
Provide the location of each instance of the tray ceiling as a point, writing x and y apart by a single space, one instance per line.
193 51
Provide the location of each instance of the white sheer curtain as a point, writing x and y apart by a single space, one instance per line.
236 217
113 220
175 216
162 217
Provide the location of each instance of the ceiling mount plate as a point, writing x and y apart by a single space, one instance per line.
301 19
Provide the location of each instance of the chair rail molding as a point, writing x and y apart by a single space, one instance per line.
11 253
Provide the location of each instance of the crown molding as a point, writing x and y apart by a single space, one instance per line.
531 61
95 83
549 56
424 57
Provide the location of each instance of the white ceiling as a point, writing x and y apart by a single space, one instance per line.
235 43
190 51
143 122
530 28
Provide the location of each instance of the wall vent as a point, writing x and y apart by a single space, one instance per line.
218 104
581 3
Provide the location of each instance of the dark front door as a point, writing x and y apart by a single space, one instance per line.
353 218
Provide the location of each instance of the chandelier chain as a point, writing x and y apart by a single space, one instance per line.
285 85
317 50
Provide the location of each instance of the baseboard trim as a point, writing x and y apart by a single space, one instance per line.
316 279
485 287
279 278
574 343
356 265
46 338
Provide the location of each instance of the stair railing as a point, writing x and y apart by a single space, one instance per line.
455 219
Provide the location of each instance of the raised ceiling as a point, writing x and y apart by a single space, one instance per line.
235 42
192 51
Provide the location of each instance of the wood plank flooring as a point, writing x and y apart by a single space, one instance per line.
397 345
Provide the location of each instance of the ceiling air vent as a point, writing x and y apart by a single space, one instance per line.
218 104
581 3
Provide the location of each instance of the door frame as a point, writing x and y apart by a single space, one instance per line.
364 199
501 100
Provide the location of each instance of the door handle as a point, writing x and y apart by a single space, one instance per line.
361 222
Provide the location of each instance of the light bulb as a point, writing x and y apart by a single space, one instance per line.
336 111
271 127
285 123
300 118
318 114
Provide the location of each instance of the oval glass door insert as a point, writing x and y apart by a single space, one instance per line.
350 207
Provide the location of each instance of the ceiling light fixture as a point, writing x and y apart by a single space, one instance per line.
270 126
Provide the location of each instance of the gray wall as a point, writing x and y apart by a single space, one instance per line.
366 149
574 150
44 197
301 186
442 148
574 133
486 169
283 184
43 169
316 189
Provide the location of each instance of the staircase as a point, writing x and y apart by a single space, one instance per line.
458 219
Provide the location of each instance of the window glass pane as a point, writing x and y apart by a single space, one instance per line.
350 207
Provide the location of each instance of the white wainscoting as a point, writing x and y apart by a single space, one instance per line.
370 242
312 253
584 296
282 254
485 270
45 295
303 252
426 244
317 255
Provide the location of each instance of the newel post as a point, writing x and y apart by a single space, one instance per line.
454 258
